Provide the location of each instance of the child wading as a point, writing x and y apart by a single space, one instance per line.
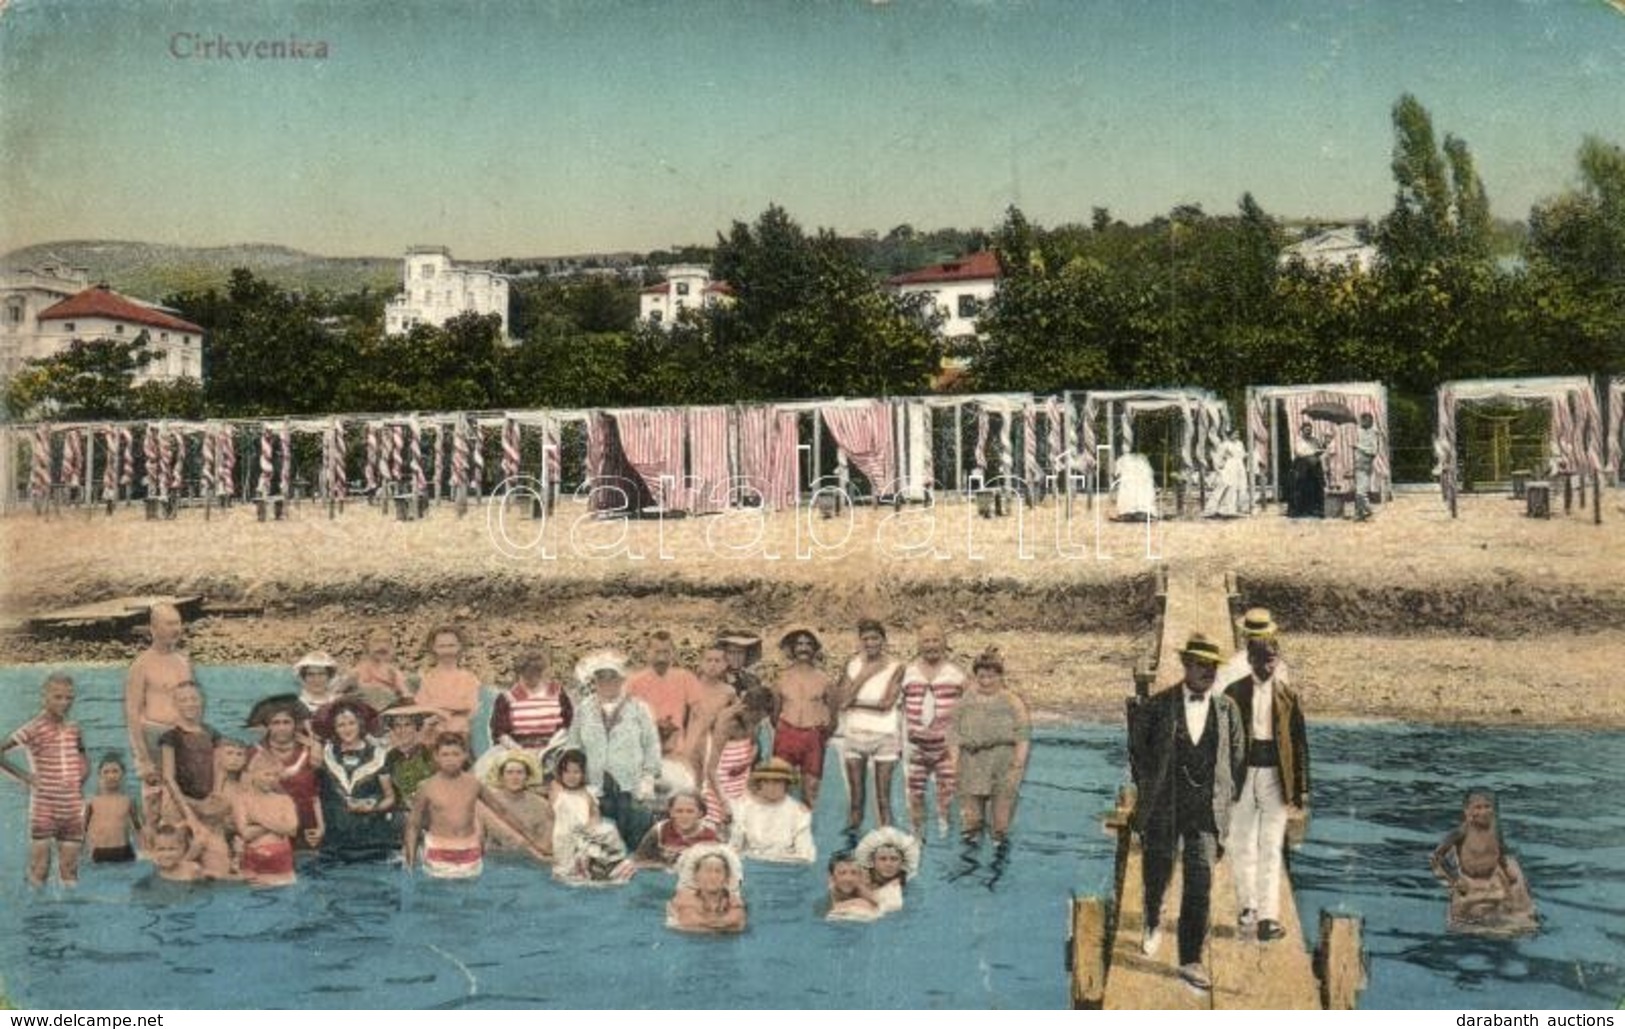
55 783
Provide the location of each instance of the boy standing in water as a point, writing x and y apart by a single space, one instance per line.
1474 862
446 813
110 816
56 782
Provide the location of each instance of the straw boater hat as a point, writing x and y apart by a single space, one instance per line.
406 709
889 836
688 862
316 659
774 768
1258 623
788 642
533 768
588 668
1200 648
750 643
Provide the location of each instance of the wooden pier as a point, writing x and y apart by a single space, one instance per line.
105 619
1108 969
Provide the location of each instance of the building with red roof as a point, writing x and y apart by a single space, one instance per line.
687 286
960 288
38 322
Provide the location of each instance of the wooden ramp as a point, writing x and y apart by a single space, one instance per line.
1108 968
106 618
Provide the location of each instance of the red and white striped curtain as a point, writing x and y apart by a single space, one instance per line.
397 452
210 468
615 483
369 471
553 456
287 461
864 432
151 474
266 462
1029 445
459 454
127 467
652 440
510 448
1057 435
476 440
110 441
39 481
439 473
767 454
1616 439
707 458
980 458
73 458
336 453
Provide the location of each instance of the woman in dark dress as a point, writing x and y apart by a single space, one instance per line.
357 794
1306 495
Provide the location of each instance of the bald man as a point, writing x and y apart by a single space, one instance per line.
149 700
932 686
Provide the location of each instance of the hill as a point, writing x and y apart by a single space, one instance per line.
154 270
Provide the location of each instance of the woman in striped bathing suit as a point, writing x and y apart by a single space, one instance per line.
529 714
731 751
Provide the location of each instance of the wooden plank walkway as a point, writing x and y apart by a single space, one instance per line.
1246 973
108 617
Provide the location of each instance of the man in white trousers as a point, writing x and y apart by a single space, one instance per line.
1276 782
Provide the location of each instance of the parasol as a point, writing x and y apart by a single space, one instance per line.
260 715
1332 411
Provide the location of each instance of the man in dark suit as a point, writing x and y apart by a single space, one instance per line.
1187 747
1277 778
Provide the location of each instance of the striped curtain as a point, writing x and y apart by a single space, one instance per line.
864 433
768 456
707 458
652 440
1616 440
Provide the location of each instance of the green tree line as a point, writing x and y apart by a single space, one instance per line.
1186 298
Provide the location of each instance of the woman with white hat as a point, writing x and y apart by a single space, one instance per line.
618 736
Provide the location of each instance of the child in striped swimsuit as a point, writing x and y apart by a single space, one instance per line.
56 755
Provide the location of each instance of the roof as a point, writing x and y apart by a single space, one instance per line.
101 302
980 265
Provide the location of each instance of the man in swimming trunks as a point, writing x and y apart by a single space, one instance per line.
447 812
932 686
149 701
871 722
804 711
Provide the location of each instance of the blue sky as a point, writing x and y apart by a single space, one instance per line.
510 128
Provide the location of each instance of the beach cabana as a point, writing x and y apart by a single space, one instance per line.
1275 412
1574 427
1110 417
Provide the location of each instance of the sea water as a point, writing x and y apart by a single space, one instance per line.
376 936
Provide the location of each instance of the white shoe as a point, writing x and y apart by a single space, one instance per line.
1151 942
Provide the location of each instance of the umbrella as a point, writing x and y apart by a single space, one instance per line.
1330 411
260 715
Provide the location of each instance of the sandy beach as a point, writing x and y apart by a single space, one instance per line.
1493 617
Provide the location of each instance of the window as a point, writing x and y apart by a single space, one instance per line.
426 271
186 339
163 337
682 289
14 313
656 315
118 330
67 327
970 305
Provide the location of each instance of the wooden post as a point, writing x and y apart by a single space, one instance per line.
1340 961
1596 498
1088 957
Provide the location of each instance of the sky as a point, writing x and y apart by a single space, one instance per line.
511 128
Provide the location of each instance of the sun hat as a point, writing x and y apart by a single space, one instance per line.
1200 648
533 768
775 768
316 659
1258 622
788 642
588 668
889 836
688 862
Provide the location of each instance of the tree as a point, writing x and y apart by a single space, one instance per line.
1440 208
86 379
1576 254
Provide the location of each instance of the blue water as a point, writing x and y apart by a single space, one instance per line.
375 937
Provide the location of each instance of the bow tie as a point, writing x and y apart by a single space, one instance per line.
1195 698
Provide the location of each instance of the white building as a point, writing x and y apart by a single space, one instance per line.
23 295
960 289
1333 248
434 291
687 286
42 311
